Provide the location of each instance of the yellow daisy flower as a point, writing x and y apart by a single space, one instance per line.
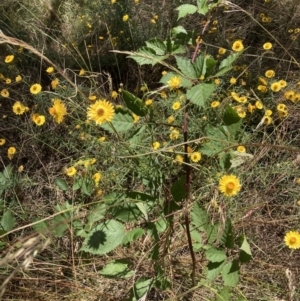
148 102
229 185
50 70
267 46
2 141
195 157
292 239
156 145
275 87
18 108
96 178
58 110
4 93
136 118
178 159
174 82
114 94
54 83
270 73
222 51
215 104
174 134
18 78
9 58
241 149
35 89
101 111
39 120
11 152
71 171
125 18
176 105
238 46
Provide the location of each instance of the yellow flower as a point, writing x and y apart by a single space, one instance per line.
217 81
102 139
281 107
297 97
275 87
114 94
222 51
289 95
268 113
18 108
232 81
9 58
215 104
267 46
195 157
179 159
292 239
20 168
242 99
71 171
266 120
153 21
163 95
164 72
125 18
92 97
101 111
35 89
2 141
283 114
174 82
238 46
39 120
241 149
148 102
262 88
136 118
171 119
4 93
282 83
50 70
270 73
81 72
136 1
262 81
97 178
251 108
58 110
144 88
54 83
259 105
229 185
174 134
8 81
18 78
156 145
11 152
113 1
176 105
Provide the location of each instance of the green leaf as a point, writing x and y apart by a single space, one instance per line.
212 233
227 238
185 83
40 227
198 64
104 238
223 71
140 289
245 251
214 269
147 56
87 187
117 269
239 158
210 64
8 220
202 7
137 137
229 60
77 184
132 235
122 122
199 217
186 67
7 172
224 294
126 212
215 255
143 208
178 189
230 273
186 9
60 225
157 45
97 213
230 116
179 30
160 225
61 184
134 103
199 94
224 160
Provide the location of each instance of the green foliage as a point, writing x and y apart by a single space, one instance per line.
8 221
117 269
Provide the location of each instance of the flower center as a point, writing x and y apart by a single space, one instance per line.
230 186
52 111
100 112
292 240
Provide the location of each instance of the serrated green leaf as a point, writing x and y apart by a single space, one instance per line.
198 64
229 60
212 233
97 213
140 288
143 208
160 225
224 294
132 235
8 220
104 238
59 225
186 9
7 172
61 184
186 67
122 122
199 217
224 160
137 137
245 251
87 187
178 189
117 269
215 255
210 64
40 227
239 158
230 116
77 184
223 71
179 30
227 238
126 212
134 103
214 269
230 273
199 94
157 45
185 83
147 56
202 7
